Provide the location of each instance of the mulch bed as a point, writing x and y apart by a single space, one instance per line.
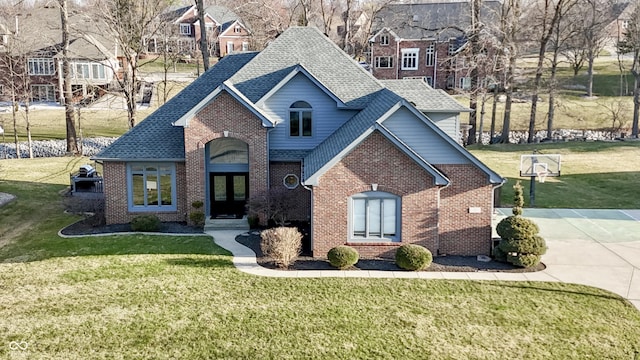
86 227
440 263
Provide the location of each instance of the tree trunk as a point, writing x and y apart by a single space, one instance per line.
590 75
636 104
72 144
552 94
481 127
494 109
204 47
26 117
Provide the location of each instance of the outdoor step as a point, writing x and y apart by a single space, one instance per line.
219 224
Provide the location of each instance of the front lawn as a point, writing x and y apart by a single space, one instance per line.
168 297
180 297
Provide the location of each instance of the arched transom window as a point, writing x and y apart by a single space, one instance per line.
300 123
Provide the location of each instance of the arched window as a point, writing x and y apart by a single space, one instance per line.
300 123
375 216
228 151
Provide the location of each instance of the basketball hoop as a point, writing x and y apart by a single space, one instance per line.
542 175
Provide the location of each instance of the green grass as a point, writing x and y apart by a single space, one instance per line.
165 297
594 174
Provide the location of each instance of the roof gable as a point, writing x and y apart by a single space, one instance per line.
155 138
308 47
285 80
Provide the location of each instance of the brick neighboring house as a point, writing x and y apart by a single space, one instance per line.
94 59
225 31
422 40
368 163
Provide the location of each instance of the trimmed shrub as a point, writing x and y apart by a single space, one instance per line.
197 204
197 218
499 254
147 223
342 256
516 227
524 260
518 199
282 244
413 257
531 245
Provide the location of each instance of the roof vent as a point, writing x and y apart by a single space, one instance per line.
416 17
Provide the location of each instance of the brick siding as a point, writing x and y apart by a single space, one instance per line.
461 232
224 113
299 198
375 161
115 194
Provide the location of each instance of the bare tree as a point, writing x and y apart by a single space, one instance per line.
204 46
630 44
131 22
548 15
509 33
72 144
595 15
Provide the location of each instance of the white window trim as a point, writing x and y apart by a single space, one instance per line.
430 55
384 39
185 29
375 195
50 89
389 62
300 111
41 66
410 53
151 208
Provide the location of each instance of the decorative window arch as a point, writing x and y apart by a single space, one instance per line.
300 119
374 216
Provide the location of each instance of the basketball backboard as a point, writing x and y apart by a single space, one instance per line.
540 165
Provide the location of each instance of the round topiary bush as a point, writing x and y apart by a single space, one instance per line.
516 227
532 245
413 257
524 260
342 256
146 223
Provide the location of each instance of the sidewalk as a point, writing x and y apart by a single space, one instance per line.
245 260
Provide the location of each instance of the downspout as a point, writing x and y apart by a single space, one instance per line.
435 62
310 189
399 58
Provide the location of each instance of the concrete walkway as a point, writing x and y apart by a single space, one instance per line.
589 247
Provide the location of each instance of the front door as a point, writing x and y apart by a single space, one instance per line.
229 195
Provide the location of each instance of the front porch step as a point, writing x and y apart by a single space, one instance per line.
226 224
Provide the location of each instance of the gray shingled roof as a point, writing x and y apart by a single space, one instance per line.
221 14
409 21
287 155
155 137
424 97
308 47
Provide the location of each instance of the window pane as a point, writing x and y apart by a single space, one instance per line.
152 189
229 151
94 69
165 189
359 216
294 123
138 189
389 217
374 217
239 187
220 188
306 123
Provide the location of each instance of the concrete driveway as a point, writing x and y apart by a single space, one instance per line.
593 247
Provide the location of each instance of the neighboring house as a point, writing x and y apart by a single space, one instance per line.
94 59
423 40
615 30
225 32
359 159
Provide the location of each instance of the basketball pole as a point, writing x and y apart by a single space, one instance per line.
532 186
